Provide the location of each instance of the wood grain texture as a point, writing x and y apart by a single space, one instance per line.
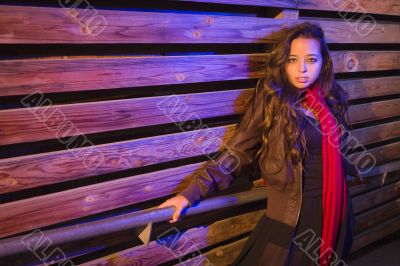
58 121
220 256
69 204
26 76
53 167
384 174
55 25
272 3
18 77
69 120
372 111
375 233
368 135
386 152
376 197
378 215
353 61
370 87
385 7
78 162
44 210
288 14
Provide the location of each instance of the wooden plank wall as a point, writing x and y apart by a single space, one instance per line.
85 87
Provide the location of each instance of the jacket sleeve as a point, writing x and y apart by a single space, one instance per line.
238 153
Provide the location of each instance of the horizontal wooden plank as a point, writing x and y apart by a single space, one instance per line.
386 152
375 233
382 174
375 197
55 25
387 7
219 256
287 14
368 135
353 61
372 111
378 215
18 77
26 76
272 3
52 122
68 120
190 240
370 87
366 7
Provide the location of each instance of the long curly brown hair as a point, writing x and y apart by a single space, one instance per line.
281 96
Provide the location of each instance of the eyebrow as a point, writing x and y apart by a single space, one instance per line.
307 55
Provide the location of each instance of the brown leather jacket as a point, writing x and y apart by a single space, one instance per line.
283 180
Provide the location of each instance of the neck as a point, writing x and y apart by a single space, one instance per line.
314 84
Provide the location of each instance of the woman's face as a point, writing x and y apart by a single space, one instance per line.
305 62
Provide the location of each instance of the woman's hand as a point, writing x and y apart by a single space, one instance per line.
179 202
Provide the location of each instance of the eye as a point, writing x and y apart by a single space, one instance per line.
290 60
313 60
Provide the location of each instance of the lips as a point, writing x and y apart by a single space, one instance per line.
302 79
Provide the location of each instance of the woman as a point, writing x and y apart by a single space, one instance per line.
292 127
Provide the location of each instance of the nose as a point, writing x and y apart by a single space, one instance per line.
302 67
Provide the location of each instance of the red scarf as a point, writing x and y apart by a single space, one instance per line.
334 182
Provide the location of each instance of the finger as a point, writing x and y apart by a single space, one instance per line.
173 220
161 205
176 214
164 204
